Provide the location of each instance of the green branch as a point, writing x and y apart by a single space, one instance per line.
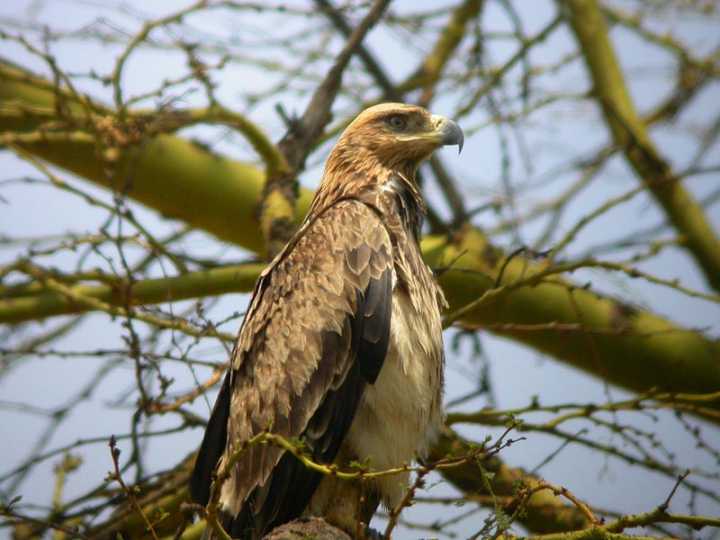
429 72
179 179
544 512
612 340
223 280
615 341
630 133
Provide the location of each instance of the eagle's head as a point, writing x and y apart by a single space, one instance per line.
397 136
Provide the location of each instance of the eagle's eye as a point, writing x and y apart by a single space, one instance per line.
397 121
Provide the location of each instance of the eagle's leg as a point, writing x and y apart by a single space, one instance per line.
346 504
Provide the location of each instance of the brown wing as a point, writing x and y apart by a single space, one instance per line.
316 333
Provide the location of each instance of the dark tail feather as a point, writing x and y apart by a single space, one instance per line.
226 521
292 484
213 446
289 490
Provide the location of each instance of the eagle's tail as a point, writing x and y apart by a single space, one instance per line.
282 499
232 525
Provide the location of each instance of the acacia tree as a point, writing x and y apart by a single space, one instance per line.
579 227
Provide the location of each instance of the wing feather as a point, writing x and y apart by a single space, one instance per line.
316 332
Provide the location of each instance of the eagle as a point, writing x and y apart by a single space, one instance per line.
341 346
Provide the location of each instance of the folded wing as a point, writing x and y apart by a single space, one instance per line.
316 333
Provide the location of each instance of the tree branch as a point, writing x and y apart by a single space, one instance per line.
616 342
222 280
544 511
277 209
630 134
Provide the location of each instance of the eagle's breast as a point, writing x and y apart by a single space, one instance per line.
401 414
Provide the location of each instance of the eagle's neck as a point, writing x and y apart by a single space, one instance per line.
407 199
389 188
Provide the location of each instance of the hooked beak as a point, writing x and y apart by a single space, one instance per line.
449 132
